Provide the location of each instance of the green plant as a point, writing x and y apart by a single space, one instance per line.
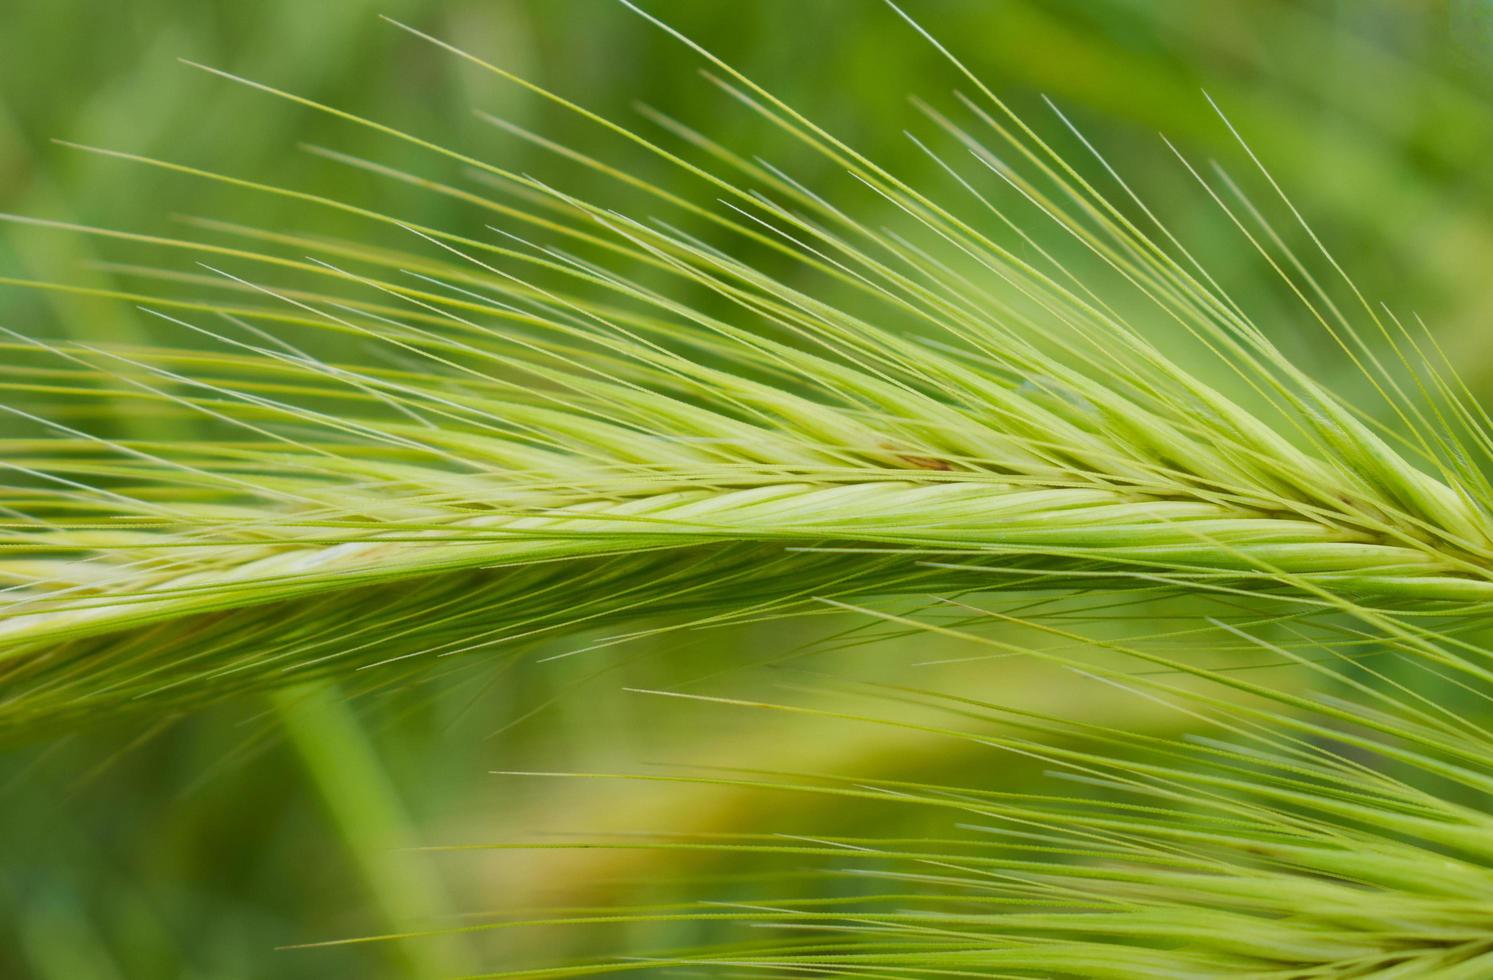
538 434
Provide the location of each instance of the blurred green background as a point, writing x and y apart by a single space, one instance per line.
199 847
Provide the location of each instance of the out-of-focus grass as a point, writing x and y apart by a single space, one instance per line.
195 848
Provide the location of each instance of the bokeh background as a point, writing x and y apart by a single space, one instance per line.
200 846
